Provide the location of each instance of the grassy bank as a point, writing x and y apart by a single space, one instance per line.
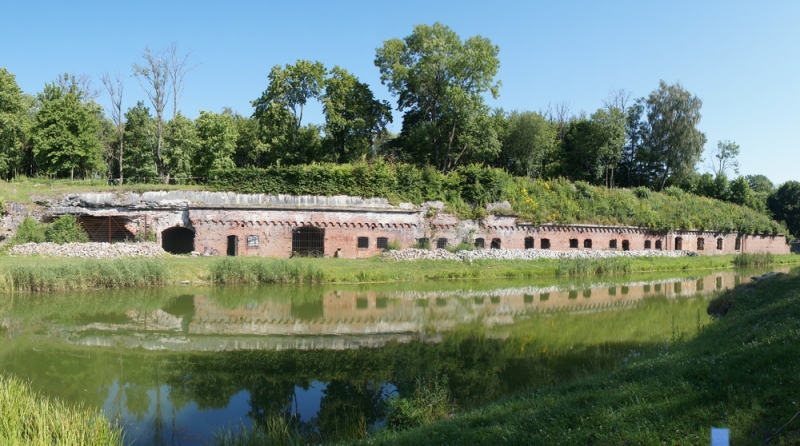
739 372
29 419
57 274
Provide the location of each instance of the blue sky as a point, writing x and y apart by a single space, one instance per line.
742 58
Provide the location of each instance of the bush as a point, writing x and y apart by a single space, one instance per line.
65 229
29 231
430 402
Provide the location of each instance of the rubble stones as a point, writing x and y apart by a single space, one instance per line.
90 250
527 254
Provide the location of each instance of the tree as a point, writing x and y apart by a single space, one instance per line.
140 139
439 82
610 132
115 88
280 108
65 132
353 117
180 144
153 77
177 68
528 139
634 165
725 158
672 138
760 184
12 123
216 136
784 204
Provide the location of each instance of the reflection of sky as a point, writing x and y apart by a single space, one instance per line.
187 426
193 426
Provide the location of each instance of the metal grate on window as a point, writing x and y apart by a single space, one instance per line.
252 241
383 242
363 242
441 243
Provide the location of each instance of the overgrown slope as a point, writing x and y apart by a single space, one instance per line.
467 190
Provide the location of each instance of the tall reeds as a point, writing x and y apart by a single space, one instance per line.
255 271
84 274
31 420
758 259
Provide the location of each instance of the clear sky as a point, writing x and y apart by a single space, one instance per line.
742 58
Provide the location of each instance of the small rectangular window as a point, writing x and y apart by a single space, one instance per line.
647 244
612 244
719 243
363 242
252 241
383 243
573 243
441 243
480 243
528 242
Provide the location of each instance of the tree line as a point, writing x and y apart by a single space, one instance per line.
440 82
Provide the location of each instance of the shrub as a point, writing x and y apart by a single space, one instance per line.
430 402
29 231
65 229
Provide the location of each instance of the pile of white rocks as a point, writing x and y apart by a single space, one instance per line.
90 250
526 254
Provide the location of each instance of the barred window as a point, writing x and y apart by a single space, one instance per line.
529 243
383 242
573 243
587 243
252 241
363 242
612 244
647 244
441 243
719 243
480 243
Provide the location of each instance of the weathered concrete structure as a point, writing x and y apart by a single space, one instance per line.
216 223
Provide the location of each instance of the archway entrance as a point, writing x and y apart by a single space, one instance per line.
678 243
177 240
308 241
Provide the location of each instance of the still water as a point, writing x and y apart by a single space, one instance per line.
175 366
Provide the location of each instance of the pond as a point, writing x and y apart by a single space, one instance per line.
176 365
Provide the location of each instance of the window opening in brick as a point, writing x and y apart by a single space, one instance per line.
647 244
626 245
701 244
423 243
587 243
678 243
480 243
612 244
233 245
441 243
363 242
658 244
308 241
545 243
529 243
573 243
719 243
252 241
383 242
738 245
496 243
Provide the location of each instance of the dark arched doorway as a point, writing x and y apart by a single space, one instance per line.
177 240
308 241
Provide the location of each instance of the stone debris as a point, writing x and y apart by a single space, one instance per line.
526 254
90 250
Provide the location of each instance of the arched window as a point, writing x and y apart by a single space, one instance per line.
701 243
626 245
658 244
496 243
587 243
678 243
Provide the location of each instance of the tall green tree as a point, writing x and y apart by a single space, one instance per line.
353 117
65 133
216 142
529 138
280 109
440 82
12 123
140 138
784 204
180 144
153 77
672 137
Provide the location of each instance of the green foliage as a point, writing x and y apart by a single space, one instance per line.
29 231
27 418
12 122
759 259
255 271
784 204
83 275
216 134
65 229
393 245
2 206
429 403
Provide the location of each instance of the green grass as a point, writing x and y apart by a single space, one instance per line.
746 260
739 372
30 420
61 274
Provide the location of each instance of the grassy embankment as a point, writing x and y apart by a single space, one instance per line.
30 420
739 372
59 274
